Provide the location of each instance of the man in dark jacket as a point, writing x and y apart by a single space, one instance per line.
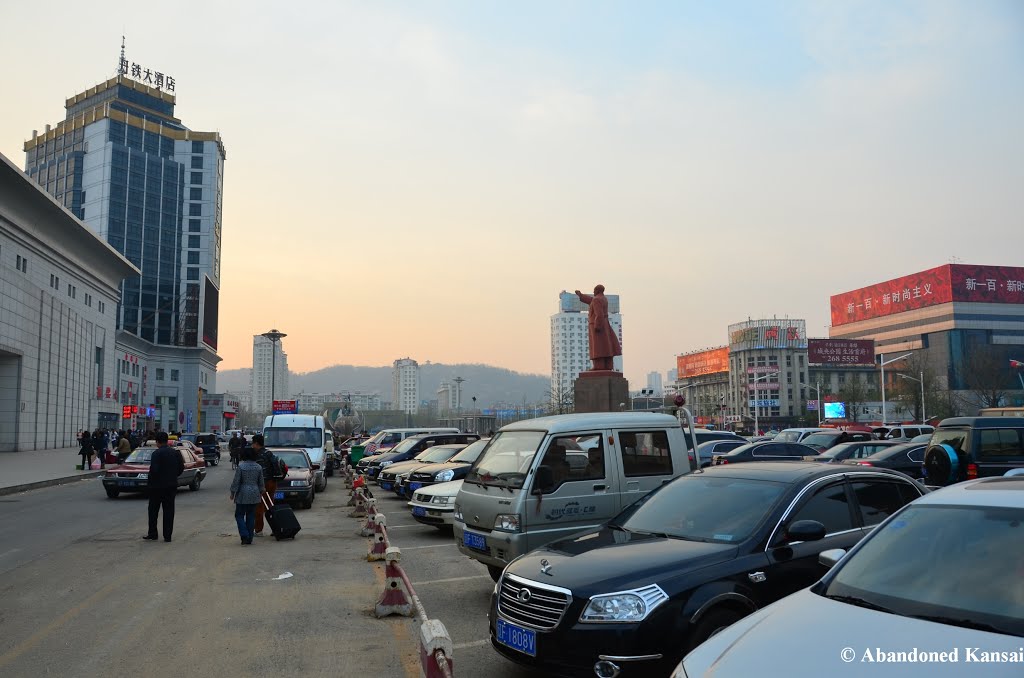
272 472
164 468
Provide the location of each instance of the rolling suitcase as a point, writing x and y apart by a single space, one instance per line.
281 518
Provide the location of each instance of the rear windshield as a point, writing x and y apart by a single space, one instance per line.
821 439
787 437
507 460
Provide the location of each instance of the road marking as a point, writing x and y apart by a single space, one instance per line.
446 581
395 527
431 546
475 643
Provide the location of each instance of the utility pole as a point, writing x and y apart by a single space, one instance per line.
274 336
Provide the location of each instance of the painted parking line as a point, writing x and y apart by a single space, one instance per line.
448 581
431 546
475 643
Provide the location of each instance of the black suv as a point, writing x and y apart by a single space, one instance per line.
410 447
826 440
974 447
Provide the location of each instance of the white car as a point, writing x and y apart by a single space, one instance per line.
435 504
935 590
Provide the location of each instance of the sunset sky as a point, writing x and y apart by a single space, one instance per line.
422 179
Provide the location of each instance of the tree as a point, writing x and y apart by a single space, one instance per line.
987 377
908 391
561 400
855 392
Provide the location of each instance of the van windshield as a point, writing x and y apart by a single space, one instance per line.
507 460
281 436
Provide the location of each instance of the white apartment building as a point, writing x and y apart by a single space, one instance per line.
449 396
405 385
570 340
269 369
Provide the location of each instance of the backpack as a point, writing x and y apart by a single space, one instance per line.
278 468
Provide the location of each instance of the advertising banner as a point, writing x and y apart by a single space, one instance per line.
763 403
841 351
764 386
940 285
812 405
698 363
286 407
763 369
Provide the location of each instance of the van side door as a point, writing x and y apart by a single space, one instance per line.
646 461
585 488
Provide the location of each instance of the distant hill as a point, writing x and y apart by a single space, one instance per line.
489 384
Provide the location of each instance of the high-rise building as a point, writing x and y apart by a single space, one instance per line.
654 384
269 371
671 377
405 385
449 396
570 339
152 188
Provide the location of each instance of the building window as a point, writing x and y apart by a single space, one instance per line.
101 306
192 274
196 178
88 300
159 374
195 194
193 258
194 225
789 360
174 375
197 146
800 360
195 210
193 241
197 162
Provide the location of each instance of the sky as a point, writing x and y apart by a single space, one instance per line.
422 179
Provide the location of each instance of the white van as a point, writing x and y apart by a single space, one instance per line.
543 479
904 431
795 435
307 431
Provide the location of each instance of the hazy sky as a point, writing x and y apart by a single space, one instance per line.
421 179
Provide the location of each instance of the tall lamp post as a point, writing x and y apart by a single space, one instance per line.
920 381
817 393
756 408
274 336
1018 365
883 363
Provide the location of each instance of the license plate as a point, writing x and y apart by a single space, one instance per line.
126 483
279 495
474 541
415 486
419 511
386 486
516 637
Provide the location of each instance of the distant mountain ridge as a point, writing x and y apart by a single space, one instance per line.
489 384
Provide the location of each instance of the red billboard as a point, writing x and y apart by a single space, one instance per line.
702 362
841 351
940 285
285 407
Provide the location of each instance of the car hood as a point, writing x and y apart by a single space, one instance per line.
437 468
449 489
128 468
387 456
316 454
298 473
591 562
740 650
405 466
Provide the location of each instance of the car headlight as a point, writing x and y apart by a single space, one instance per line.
444 476
507 522
386 463
442 500
624 606
299 483
143 476
457 513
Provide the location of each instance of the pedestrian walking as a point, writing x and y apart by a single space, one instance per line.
165 466
85 451
124 448
235 446
98 447
266 459
246 489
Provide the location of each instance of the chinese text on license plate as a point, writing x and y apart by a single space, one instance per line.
474 541
516 637
279 495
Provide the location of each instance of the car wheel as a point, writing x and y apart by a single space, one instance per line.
194 485
711 623
112 494
495 572
308 503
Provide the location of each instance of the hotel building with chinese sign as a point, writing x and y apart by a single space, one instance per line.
767 364
946 315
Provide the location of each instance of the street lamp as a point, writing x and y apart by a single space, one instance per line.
757 379
883 363
920 381
817 393
274 336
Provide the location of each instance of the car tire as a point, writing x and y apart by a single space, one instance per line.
194 485
495 572
112 494
944 465
711 623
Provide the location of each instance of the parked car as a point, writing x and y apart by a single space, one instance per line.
455 468
409 448
903 457
707 451
435 505
876 599
844 451
384 441
923 438
823 440
795 435
767 450
133 474
904 433
963 448
387 479
300 483
684 562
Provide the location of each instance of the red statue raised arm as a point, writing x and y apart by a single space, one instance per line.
604 343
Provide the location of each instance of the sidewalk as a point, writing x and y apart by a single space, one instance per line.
20 471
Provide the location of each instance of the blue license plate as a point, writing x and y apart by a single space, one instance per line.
419 511
386 486
279 495
415 486
126 483
474 541
516 637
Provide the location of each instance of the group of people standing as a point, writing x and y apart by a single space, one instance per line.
101 442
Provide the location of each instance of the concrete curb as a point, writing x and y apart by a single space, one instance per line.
24 487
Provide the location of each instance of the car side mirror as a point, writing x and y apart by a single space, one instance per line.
543 480
805 530
831 557
316 467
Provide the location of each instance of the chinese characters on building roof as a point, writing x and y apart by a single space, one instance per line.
756 334
146 76
950 282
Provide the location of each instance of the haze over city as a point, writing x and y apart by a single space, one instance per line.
423 180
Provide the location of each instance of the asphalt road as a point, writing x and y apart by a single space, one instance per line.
81 594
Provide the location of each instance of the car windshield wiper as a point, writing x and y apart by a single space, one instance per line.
663 535
965 623
860 602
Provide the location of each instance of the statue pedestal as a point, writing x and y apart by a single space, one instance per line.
601 391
